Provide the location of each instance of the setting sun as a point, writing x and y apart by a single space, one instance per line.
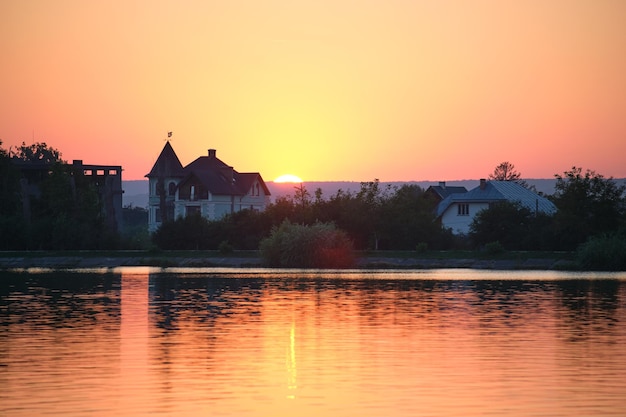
288 178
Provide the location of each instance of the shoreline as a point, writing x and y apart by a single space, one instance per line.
73 261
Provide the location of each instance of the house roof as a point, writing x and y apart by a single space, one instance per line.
167 164
246 180
494 191
216 176
444 191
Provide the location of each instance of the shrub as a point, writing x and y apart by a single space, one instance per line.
603 253
185 233
298 246
421 247
494 248
225 248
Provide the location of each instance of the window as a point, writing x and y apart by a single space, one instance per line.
172 188
463 209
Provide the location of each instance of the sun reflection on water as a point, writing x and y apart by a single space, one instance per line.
292 371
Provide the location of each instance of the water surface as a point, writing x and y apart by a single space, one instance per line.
225 342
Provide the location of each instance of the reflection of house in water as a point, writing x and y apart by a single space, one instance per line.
106 179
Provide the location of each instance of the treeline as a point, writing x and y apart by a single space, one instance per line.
66 213
45 206
375 217
589 206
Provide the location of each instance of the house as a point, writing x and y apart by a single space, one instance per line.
441 191
207 186
457 211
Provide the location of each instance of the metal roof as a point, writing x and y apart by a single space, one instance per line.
494 191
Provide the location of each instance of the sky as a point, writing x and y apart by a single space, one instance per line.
328 90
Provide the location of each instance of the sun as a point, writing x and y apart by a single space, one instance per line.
288 178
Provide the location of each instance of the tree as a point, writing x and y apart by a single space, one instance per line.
65 211
588 204
11 218
68 214
186 233
514 226
506 172
37 152
9 185
407 219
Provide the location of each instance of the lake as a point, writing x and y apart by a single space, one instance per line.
260 342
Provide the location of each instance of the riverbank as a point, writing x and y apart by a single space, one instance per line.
249 259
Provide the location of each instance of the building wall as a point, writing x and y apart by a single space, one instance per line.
460 223
108 181
214 207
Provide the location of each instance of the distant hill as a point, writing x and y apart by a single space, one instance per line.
136 192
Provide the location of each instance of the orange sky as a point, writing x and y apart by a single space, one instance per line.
326 90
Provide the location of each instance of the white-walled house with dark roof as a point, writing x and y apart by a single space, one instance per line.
457 211
207 186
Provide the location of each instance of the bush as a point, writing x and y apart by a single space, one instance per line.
185 233
225 248
298 246
494 248
421 247
603 253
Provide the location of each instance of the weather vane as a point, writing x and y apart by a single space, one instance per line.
169 135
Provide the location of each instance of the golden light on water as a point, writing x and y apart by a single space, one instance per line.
291 362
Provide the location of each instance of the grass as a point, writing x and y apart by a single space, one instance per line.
470 254
370 259
399 254
129 253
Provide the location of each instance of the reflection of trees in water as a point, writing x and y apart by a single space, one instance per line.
590 306
213 311
584 296
512 303
59 299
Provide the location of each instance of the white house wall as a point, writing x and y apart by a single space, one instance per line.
219 206
460 224
214 208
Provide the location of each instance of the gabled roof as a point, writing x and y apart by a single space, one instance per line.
494 191
167 164
444 191
245 180
219 178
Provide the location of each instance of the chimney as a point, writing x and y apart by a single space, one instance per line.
483 183
442 184
212 153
